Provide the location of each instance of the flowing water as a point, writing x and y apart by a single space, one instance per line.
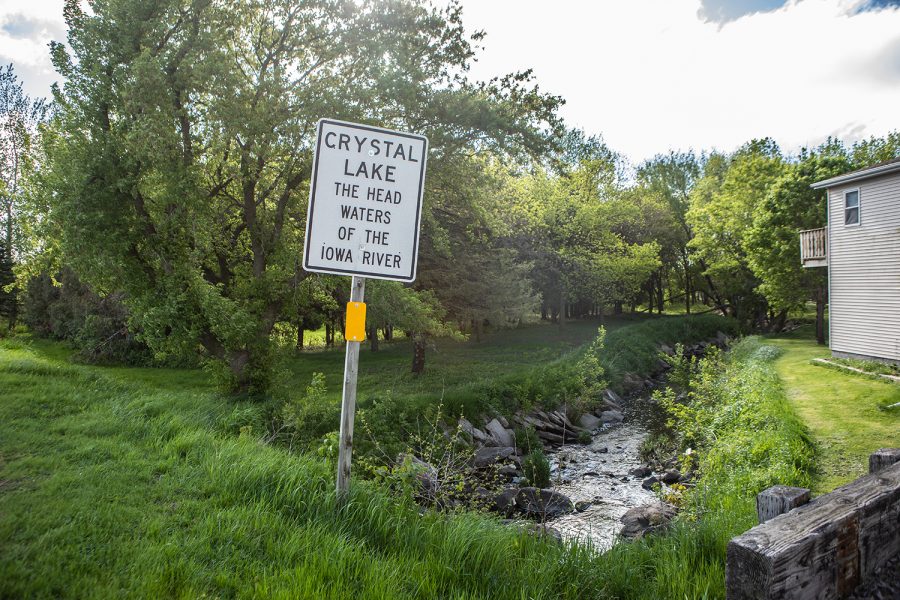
598 473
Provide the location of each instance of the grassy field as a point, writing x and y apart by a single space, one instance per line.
844 412
123 482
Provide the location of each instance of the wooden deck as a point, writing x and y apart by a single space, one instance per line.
814 247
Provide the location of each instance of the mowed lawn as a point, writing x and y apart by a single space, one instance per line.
845 413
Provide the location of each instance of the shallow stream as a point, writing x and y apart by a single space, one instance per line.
598 473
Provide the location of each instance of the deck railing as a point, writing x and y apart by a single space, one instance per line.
813 244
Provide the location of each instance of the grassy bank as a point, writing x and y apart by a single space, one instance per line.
130 482
744 436
113 489
844 412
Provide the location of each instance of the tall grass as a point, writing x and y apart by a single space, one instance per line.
111 487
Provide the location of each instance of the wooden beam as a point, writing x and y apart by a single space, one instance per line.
823 549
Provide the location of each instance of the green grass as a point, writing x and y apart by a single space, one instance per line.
123 482
738 421
869 366
112 489
844 412
636 349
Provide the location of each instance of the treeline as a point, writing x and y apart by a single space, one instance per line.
170 178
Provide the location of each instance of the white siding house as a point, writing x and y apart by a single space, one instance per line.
863 259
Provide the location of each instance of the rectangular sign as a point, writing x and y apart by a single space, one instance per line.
365 201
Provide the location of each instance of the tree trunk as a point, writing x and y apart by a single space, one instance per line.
821 298
661 292
617 308
562 306
373 339
687 286
300 337
418 362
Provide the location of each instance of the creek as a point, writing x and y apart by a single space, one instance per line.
597 476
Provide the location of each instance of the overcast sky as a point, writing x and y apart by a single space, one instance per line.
650 75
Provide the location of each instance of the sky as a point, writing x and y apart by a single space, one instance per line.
651 75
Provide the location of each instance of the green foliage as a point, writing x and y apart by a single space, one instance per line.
636 349
182 139
312 415
96 326
527 439
723 206
536 468
736 421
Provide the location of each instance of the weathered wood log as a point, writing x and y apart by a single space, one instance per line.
823 549
778 500
882 458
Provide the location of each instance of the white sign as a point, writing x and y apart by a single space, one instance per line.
365 201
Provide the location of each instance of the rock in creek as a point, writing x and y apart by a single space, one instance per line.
641 520
505 501
671 476
501 435
589 421
641 471
476 434
648 483
485 457
611 416
544 504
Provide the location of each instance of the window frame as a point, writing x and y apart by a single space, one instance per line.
858 207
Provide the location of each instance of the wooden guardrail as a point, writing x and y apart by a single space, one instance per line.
813 244
822 548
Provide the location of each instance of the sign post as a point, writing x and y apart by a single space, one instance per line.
365 208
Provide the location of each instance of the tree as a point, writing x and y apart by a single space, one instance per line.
183 141
723 204
672 177
7 279
19 120
566 227
773 248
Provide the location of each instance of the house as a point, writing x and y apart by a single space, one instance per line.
861 249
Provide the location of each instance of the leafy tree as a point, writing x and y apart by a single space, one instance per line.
19 120
417 312
20 116
7 279
773 250
184 135
723 205
671 177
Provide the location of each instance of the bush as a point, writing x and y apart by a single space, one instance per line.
735 419
537 469
97 326
635 349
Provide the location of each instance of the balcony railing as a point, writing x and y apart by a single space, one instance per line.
813 247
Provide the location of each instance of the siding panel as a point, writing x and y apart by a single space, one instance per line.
864 270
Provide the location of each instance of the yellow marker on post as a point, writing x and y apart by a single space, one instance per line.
355 328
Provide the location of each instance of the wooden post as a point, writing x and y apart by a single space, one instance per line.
778 500
883 458
348 400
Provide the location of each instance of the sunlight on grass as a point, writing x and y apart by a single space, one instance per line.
843 411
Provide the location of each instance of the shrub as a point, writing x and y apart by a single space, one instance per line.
537 469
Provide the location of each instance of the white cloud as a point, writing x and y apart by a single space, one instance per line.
653 75
25 30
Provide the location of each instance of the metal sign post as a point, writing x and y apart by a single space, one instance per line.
348 398
365 209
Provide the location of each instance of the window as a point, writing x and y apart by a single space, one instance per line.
851 208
